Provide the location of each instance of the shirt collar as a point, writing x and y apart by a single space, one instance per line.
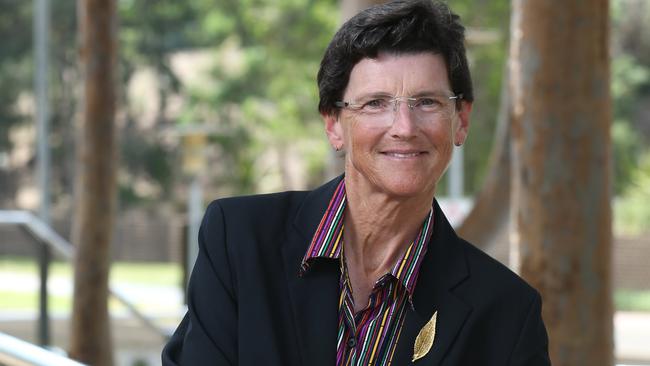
328 238
327 242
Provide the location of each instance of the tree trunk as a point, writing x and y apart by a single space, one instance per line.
561 171
90 340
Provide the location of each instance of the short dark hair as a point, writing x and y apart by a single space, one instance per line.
400 26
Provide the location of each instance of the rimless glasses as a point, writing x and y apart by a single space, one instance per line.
382 109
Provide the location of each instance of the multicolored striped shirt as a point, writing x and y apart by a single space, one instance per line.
370 336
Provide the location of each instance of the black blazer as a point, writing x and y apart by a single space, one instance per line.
248 306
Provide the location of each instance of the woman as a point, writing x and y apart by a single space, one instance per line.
364 270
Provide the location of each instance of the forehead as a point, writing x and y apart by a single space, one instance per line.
399 74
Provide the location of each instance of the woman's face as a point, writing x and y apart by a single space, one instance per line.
406 154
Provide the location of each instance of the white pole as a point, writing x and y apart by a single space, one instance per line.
41 35
41 40
456 170
195 210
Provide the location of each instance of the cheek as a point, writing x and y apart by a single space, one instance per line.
359 146
441 135
361 138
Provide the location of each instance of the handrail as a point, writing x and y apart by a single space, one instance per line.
44 233
39 229
14 351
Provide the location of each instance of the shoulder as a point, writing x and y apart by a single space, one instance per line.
260 210
272 211
491 280
237 232
260 205
248 223
506 307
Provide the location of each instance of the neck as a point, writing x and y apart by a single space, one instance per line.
379 226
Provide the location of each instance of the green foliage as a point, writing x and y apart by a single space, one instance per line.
630 87
262 94
15 63
279 46
626 150
265 93
145 159
632 208
151 29
628 79
487 63
16 85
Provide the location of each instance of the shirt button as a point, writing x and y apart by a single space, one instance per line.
352 342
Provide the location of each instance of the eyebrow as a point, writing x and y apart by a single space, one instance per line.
373 95
425 93
429 93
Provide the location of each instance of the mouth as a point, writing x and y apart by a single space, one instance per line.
403 154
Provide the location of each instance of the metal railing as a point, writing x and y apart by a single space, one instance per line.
44 234
16 352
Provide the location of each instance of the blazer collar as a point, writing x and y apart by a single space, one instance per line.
314 297
444 267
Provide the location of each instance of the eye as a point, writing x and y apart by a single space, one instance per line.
375 105
428 102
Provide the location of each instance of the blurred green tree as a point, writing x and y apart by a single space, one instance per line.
15 64
630 88
263 93
15 77
264 99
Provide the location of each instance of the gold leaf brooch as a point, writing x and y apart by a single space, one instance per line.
424 340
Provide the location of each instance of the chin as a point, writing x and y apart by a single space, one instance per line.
408 188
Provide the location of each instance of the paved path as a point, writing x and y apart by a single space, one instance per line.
632 337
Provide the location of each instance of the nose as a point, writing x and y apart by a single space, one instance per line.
404 124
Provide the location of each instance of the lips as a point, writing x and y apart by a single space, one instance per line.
400 154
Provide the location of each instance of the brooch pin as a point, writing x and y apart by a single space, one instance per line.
424 340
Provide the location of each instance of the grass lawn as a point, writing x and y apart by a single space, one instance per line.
17 274
161 274
13 300
167 274
632 300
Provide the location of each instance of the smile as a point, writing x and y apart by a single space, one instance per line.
403 155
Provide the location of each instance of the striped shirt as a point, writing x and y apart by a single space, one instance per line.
370 336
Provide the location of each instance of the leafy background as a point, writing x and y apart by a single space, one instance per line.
252 67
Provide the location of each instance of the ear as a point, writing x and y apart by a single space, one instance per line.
462 127
334 130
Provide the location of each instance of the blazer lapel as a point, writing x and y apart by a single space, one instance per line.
443 268
314 296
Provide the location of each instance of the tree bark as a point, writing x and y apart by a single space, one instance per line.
561 171
90 340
